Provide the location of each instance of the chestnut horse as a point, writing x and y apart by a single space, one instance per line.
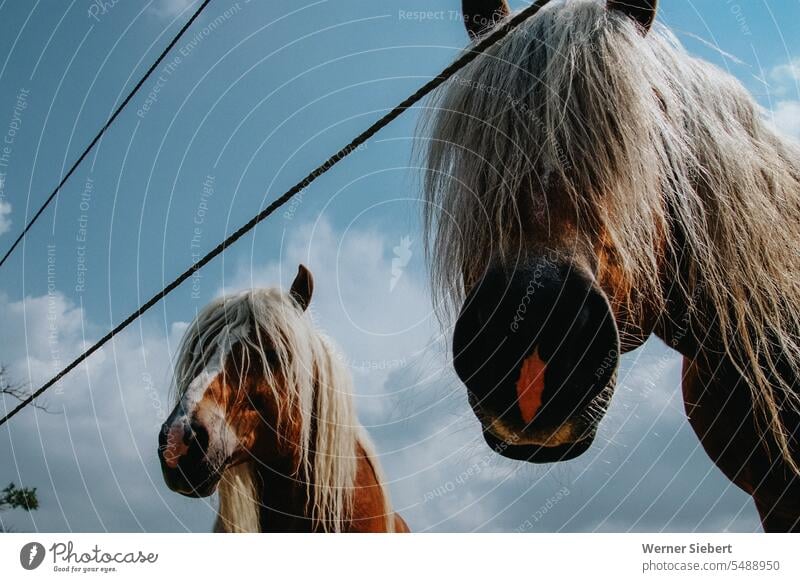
264 414
591 184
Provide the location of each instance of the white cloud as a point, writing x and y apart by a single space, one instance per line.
786 117
785 87
5 213
92 457
786 77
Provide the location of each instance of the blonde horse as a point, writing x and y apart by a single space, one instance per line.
591 184
264 415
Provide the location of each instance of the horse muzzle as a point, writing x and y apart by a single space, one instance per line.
183 452
537 349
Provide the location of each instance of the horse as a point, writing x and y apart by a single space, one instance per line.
264 415
588 184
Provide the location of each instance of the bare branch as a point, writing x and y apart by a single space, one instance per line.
17 391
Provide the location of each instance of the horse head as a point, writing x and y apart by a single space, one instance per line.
547 306
236 396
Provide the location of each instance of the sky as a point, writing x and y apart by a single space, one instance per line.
232 118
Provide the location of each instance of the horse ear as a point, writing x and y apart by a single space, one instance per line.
481 15
642 11
302 287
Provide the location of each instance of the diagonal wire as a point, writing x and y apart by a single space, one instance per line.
102 131
500 32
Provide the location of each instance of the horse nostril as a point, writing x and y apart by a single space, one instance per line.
199 437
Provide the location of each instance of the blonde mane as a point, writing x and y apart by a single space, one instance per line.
641 139
315 394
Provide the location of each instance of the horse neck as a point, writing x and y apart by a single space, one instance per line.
284 500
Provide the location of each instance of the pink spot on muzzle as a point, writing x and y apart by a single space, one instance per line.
175 447
530 386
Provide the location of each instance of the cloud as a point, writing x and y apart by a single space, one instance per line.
786 117
94 461
785 77
5 213
92 456
785 85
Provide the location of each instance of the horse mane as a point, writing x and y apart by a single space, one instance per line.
315 393
639 138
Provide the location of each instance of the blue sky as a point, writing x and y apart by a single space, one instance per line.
232 118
